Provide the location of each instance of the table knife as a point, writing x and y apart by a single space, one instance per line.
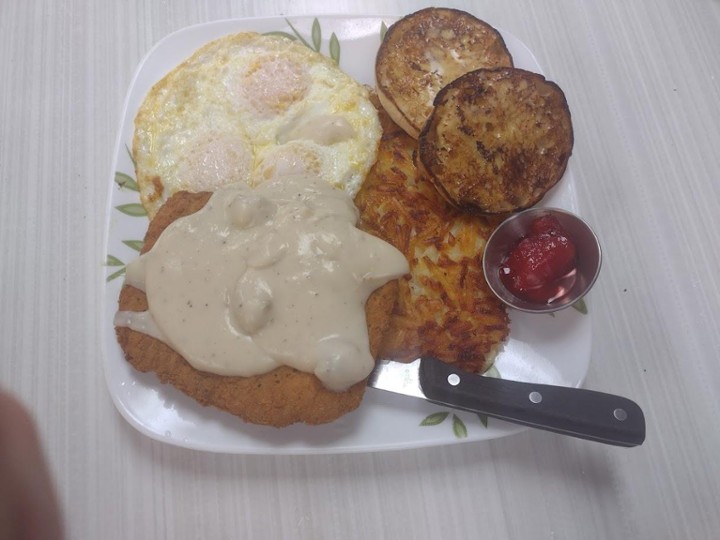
577 412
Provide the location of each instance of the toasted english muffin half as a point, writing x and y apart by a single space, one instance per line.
426 50
497 140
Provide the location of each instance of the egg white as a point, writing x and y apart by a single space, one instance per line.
249 107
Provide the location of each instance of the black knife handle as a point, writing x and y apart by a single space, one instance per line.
585 414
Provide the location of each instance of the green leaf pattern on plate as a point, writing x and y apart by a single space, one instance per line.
130 155
383 30
315 38
113 261
115 275
581 306
125 181
335 48
132 209
492 371
316 34
459 427
298 35
434 419
134 244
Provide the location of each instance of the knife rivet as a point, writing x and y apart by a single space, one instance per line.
453 379
620 414
535 397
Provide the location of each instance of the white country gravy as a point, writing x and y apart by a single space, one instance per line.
266 276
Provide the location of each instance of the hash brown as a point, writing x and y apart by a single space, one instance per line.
281 397
444 308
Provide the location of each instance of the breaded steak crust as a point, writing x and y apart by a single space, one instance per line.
281 397
445 308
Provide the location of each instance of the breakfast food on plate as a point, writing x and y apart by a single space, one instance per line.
263 298
247 107
497 140
253 300
302 227
445 308
425 51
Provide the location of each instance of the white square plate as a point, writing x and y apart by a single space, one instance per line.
551 349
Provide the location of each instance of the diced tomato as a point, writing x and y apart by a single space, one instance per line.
537 268
545 224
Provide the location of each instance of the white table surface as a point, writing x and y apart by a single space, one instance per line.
643 81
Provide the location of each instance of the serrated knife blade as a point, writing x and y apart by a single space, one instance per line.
585 414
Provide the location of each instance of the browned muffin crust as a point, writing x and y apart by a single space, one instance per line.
497 140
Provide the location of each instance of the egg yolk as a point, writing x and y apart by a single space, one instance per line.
274 84
214 160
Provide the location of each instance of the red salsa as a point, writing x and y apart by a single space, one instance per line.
542 265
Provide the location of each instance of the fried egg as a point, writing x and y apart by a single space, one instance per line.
247 108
